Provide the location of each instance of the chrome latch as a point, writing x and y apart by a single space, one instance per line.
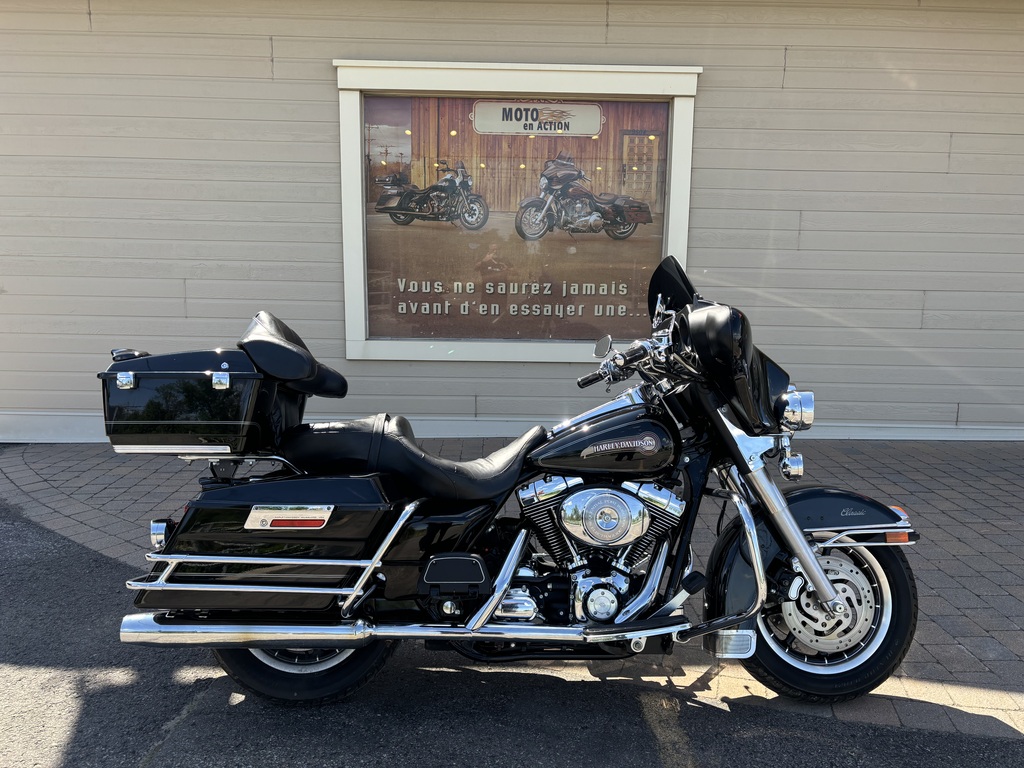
126 380
221 380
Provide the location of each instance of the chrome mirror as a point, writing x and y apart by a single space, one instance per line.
603 347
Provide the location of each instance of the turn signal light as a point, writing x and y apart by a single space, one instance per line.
897 537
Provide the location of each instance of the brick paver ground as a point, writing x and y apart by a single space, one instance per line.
965 671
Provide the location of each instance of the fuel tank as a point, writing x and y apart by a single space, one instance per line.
620 438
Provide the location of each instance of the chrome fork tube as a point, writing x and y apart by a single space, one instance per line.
778 510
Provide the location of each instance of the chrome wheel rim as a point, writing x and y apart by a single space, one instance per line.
803 636
302 661
625 229
532 222
472 213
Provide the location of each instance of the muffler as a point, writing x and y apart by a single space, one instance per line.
157 629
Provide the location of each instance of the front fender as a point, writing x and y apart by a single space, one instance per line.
529 200
731 587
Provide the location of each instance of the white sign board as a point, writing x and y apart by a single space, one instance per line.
520 118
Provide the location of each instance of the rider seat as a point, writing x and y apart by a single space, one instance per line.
386 444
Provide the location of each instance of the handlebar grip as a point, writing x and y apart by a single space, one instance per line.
591 378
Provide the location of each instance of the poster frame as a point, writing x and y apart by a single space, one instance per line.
675 85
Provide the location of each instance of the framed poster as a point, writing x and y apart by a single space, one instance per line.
508 220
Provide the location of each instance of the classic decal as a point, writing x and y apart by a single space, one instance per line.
647 443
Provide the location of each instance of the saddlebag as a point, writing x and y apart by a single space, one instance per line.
634 211
243 546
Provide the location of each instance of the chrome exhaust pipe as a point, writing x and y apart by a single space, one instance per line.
155 629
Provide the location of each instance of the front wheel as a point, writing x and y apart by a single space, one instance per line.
804 654
474 212
530 225
305 676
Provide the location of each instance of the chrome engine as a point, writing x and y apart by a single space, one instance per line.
599 539
583 218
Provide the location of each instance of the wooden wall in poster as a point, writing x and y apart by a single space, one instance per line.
506 169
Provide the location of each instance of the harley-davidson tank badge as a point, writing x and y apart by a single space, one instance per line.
647 443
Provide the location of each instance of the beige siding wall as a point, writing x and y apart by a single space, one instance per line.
168 169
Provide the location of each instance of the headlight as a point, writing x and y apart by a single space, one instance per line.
796 409
543 184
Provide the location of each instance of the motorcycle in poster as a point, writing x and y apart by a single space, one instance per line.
450 199
346 538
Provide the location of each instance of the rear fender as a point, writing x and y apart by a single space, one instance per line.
731 586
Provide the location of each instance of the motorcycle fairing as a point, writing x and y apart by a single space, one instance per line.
732 585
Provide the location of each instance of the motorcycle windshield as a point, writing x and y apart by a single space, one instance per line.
671 283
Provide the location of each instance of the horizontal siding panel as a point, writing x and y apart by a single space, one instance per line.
989 413
124 306
172 210
96 43
809 298
988 143
914 162
911 375
881 412
170 87
770 336
170 149
893 202
33 287
188 169
863 120
973 243
169 128
170 256
255 231
905 80
940 391
976 319
808 141
858 105
70 21
98 189
177 107
898 60
115 64
881 182
712 218
865 282
743 238
828 317
298 263
266 290
1000 297
291 310
927 262
1011 165
953 223
926 362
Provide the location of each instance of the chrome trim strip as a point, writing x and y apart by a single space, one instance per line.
378 557
649 590
501 583
157 557
198 451
902 525
145 629
835 540
161 585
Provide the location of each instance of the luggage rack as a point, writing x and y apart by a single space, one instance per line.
351 594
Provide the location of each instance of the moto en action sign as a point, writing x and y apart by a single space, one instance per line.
520 220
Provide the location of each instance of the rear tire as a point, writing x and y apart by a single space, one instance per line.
305 677
620 232
401 218
804 655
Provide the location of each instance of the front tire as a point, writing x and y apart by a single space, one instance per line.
305 676
530 225
474 213
804 655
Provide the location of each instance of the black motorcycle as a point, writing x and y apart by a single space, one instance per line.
564 203
346 537
450 199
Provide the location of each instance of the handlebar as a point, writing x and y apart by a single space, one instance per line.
619 366
590 379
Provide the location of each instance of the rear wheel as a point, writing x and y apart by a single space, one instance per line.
620 232
401 218
804 654
304 676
